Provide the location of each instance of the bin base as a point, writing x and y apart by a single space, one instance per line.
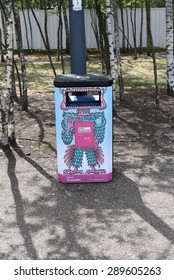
83 178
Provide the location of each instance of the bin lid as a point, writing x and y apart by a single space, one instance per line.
86 80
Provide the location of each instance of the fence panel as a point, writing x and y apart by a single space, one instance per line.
158 27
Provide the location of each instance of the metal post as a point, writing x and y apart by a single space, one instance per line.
77 37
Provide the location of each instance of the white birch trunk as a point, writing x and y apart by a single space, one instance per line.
21 56
169 46
111 46
3 121
9 70
118 55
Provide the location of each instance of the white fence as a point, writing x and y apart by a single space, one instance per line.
158 27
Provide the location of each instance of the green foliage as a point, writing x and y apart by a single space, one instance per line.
158 3
89 4
37 4
140 3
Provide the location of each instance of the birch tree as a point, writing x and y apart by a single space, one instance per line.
9 70
3 121
24 98
169 47
118 55
3 31
111 46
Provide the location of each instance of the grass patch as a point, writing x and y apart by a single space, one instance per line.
137 74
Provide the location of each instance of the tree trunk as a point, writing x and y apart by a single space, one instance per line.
3 121
123 29
103 36
45 26
44 41
148 26
111 46
26 28
141 30
94 25
31 32
60 36
24 99
100 39
152 51
1 48
58 29
3 20
169 47
66 27
127 21
2 12
9 70
134 29
118 55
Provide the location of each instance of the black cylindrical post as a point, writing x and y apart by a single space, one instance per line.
77 37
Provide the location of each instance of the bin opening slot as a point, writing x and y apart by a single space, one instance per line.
83 98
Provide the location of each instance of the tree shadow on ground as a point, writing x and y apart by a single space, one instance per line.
155 127
20 216
69 237
77 213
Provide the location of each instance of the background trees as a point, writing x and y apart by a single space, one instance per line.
103 14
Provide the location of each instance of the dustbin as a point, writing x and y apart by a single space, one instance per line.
83 106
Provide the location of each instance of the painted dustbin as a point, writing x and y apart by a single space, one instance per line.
83 106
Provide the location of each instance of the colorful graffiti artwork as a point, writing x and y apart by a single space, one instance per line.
86 130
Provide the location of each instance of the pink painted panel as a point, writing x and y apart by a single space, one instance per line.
84 178
84 135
